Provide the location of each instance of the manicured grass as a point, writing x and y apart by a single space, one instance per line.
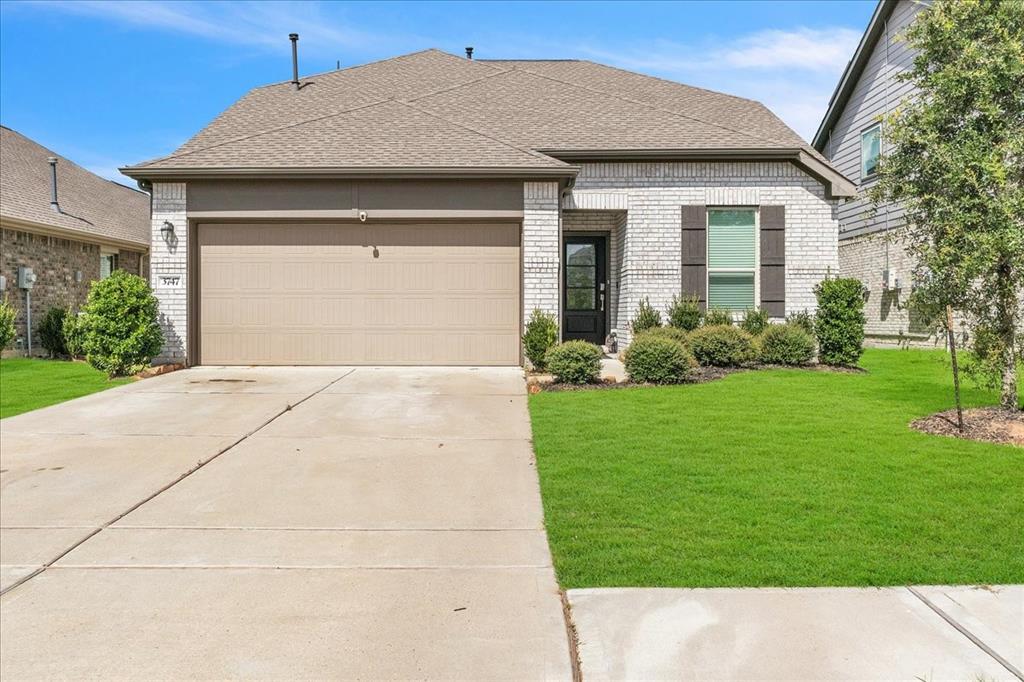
28 384
782 477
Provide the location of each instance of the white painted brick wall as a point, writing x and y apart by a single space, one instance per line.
653 193
541 229
170 260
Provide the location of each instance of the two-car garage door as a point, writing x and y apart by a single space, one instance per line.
362 293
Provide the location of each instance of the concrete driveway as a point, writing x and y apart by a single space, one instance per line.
279 522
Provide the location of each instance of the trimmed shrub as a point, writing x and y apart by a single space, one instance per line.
646 318
121 334
658 359
7 331
685 313
74 335
541 334
839 324
673 333
717 317
51 332
786 344
574 362
721 345
804 320
754 321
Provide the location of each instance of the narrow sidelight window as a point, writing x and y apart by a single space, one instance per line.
732 258
108 263
870 150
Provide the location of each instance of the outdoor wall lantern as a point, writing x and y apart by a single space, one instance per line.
167 231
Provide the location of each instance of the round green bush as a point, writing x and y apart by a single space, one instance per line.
51 332
574 362
786 344
7 331
646 318
121 334
839 322
717 317
74 335
673 333
541 334
658 359
754 321
721 345
685 313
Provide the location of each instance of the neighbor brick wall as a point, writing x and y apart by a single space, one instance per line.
55 261
652 193
168 261
889 322
541 229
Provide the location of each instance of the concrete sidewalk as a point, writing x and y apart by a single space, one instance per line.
800 634
280 523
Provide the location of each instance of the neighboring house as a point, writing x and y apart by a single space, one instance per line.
416 210
851 137
69 234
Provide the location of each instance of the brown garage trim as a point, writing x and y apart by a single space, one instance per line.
353 214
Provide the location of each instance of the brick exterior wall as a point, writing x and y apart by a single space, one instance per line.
541 250
56 262
889 322
652 193
169 269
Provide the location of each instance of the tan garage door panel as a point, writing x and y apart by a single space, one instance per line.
359 294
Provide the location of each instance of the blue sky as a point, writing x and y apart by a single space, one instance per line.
112 83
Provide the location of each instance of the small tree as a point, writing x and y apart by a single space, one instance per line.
955 161
121 334
685 313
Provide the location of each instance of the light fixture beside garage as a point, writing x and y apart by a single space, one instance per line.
167 233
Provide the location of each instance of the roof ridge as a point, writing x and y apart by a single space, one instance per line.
354 67
646 104
489 136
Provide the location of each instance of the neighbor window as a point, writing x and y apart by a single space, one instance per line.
870 150
108 263
732 258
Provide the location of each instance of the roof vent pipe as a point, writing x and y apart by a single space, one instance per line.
469 53
294 37
53 184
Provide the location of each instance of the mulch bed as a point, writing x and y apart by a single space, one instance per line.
986 424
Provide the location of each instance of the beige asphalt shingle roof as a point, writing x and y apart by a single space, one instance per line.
89 204
432 109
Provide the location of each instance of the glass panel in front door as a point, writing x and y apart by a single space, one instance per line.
580 276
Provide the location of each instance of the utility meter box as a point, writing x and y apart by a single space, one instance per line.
26 277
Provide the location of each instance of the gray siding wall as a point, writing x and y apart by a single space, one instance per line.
876 93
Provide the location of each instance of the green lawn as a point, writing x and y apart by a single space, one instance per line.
28 384
782 477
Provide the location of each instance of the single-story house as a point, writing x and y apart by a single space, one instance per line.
68 225
416 210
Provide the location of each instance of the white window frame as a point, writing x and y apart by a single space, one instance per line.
114 263
757 255
864 176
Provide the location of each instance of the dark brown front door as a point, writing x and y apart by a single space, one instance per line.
586 288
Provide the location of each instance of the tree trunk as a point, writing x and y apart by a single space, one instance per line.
951 335
1007 323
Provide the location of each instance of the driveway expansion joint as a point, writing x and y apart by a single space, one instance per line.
968 634
288 408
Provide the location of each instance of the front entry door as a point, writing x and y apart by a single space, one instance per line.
586 289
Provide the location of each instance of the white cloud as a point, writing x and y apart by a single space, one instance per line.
262 25
792 71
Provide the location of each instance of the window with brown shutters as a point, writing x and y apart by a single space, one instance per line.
694 252
773 260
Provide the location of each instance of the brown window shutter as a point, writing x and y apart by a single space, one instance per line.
773 260
695 253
